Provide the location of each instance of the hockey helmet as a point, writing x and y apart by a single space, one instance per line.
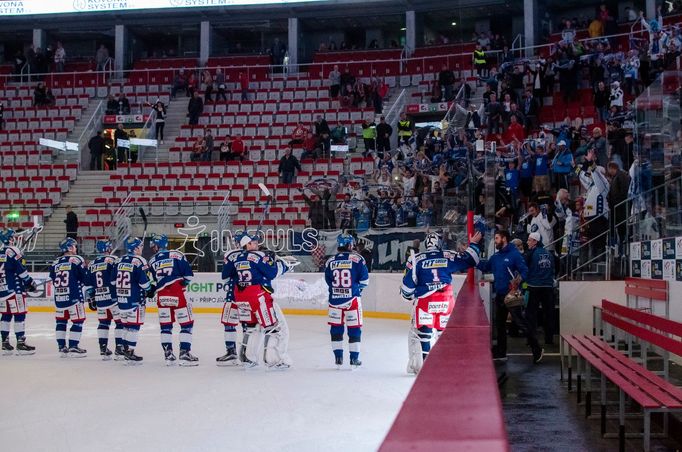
433 241
133 243
67 243
6 236
345 241
103 246
245 238
160 241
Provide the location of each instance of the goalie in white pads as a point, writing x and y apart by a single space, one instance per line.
14 281
346 275
428 285
252 272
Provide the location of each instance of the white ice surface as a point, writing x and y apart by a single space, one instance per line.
54 404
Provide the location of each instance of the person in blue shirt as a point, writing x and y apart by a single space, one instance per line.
100 277
252 272
427 284
512 179
346 275
509 269
562 165
172 273
14 282
133 287
69 280
541 170
540 284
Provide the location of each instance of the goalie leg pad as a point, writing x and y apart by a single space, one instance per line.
251 344
277 340
419 345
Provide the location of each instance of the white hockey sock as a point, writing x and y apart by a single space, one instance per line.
4 326
185 336
19 328
231 336
102 333
337 345
354 347
131 337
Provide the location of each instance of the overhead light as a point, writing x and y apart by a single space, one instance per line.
403 29
454 24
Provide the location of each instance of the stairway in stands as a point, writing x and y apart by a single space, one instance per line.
87 186
176 116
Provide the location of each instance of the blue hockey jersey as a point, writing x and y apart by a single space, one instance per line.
431 271
69 278
101 276
13 274
251 268
229 280
346 275
170 266
133 279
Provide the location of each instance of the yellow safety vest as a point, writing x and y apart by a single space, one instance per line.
404 129
479 57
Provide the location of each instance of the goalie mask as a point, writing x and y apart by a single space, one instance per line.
433 241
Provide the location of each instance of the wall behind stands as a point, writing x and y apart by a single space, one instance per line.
302 293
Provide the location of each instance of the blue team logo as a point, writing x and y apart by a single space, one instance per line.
534 228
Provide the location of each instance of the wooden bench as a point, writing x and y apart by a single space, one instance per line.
648 389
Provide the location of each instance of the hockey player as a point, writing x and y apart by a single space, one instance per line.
14 281
252 272
68 274
231 318
172 273
346 275
101 274
428 278
133 286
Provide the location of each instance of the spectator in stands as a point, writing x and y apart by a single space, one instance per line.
96 147
323 133
59 57
493 112
192 83
123 105
101 57
515 130
542 222
30 56
531 110
596 207
207 156
405 128
122 151
311 147
369 135
568 33
540 284
112 105
616 96
299 134
197 150
71 222
596 28
334 82
220 83
244 85
159 109
278 52
226 149
446 79
562 165
599 144
19 61
42 61
509 269
40 95
339 135
384 132
601 100
207 80
195 108
618 193
365 253
315 209
238 148
179 83
288 165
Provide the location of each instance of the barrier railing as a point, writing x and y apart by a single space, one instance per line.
454 403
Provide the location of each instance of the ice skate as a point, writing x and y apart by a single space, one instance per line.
169 356
105 353
23 348
77 352
187 359
355 363
7 348
64 352
131 358
339 362
119 353
228 359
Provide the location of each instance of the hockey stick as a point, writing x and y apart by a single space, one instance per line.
266 207
144 222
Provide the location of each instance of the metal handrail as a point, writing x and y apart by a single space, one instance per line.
393 115
94 122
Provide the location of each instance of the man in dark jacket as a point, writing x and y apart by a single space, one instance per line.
288 165
316 210
121 135
323 133
508 269
71 223
618 192
540 283
194 109
384 132
96 146
446 79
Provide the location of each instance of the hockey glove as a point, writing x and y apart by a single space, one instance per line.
31 286
90 298
151 291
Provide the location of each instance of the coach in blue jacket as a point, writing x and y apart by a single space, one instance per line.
540 283
509 268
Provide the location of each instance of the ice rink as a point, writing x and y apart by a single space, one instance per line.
55 404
